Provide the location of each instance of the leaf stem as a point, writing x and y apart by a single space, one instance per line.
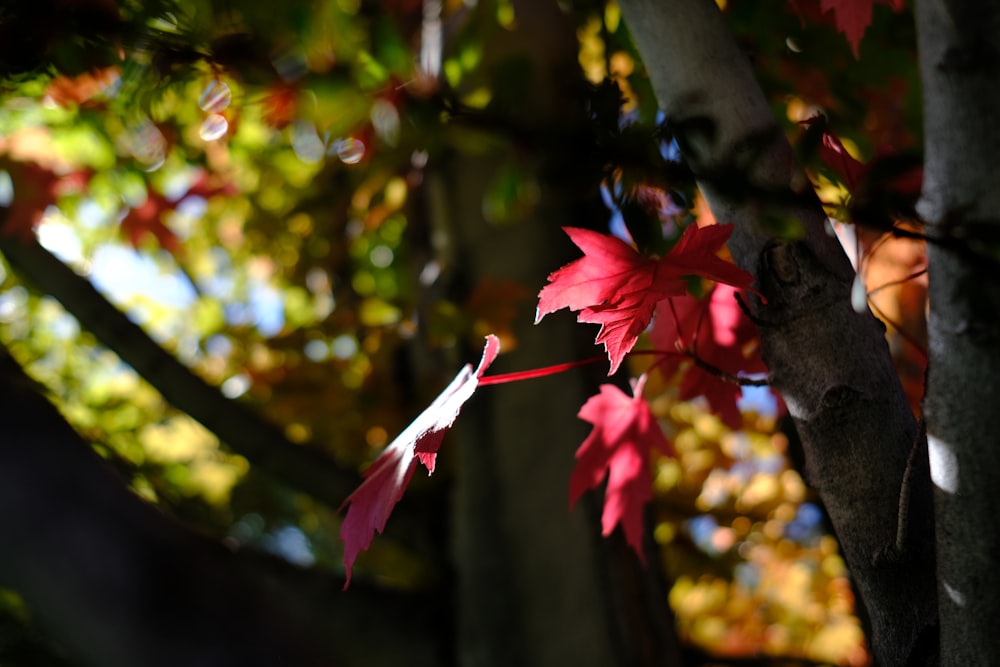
504 378
533 373
741 380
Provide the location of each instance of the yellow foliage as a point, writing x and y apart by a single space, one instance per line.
178 440
591 53
210 472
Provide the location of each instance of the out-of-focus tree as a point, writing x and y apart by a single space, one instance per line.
246 244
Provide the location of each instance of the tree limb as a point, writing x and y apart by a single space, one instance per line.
118 584
831 365
302 467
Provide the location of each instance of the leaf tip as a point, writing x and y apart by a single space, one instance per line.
490 352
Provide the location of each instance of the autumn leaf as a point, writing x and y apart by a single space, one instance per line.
625 434
832 152
617 287
852 17
79 90
35 189
386 479
717 341
148 219
280 104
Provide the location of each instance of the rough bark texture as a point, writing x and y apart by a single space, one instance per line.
118 584
536 584
831 365
960 69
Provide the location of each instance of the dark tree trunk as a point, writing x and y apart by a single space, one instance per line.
960 70
831 364
536 583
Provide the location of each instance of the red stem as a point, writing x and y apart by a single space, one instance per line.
537 372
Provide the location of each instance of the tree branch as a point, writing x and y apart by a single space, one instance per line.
119 584
831 365
302 467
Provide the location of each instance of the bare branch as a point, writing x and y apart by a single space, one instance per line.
243 430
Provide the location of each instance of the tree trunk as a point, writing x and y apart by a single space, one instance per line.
960 69
831 364
537 585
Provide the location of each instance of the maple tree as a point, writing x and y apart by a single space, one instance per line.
346 197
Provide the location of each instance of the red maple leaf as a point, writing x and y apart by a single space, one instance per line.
625 434
832 152
387 478
147 219
717 341
853 17
80 90
281 102
617 287
35 189
857 176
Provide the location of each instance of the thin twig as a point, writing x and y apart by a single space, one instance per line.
704 365
728 377
900 281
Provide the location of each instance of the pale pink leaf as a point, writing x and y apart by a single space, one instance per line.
369 507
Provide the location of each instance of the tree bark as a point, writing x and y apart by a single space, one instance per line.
960 71
831 364
537 585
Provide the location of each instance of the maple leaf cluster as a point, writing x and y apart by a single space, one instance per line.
621 289
617 287
710 341
715 341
